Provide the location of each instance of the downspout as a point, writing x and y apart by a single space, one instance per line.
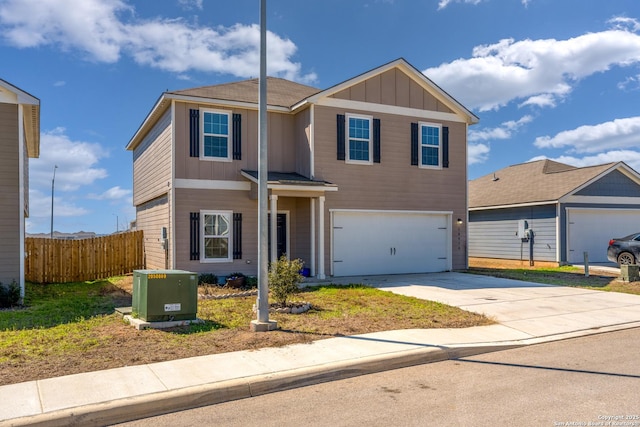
21 155
172 210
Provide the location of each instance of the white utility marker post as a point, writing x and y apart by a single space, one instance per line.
263 324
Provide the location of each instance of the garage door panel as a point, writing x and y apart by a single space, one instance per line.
389 243
589 230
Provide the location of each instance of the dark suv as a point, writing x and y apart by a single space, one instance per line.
624 250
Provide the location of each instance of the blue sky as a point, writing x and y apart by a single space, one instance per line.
556 79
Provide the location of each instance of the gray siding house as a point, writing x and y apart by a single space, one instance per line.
549 211
19 140
366 177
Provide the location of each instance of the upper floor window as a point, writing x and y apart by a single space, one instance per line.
216 135
359 132
430 145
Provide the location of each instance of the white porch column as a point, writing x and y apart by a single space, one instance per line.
274 227
312 265
321 274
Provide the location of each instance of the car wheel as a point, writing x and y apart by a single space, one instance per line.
626 258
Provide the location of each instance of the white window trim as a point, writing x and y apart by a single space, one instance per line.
370 141
229 258
435 125
229 157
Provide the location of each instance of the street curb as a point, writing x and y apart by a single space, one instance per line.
123 410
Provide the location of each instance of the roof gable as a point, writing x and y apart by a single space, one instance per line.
541 181
31 107
397 83
613 184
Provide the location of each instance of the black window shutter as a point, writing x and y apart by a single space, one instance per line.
341 137
194 133
445 147
237 236
194 244
414 143
237 136
376 140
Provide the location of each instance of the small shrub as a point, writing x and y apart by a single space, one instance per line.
236 275
207 279
9 295
252 282
284 277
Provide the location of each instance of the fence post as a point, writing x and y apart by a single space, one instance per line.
586 264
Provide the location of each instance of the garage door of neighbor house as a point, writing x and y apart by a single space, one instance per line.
589 230
390 242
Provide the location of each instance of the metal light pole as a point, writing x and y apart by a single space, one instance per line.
262 324
53 181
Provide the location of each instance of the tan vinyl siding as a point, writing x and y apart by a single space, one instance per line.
9 195
376 186
303 143
151 217
190 200
152 162
281 148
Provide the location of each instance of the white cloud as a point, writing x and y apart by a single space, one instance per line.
76 161
114 193
191 4
540 72
504 131
477 153
40 206
616 134
105 30
630 83
444 3
59 83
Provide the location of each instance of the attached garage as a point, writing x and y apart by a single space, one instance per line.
589 230
390 242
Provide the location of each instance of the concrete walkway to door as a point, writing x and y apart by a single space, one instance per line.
535 309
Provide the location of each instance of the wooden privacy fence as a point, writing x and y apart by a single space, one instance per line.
59 260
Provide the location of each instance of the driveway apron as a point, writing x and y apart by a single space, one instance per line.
532 308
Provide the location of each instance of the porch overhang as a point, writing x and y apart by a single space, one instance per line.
291 184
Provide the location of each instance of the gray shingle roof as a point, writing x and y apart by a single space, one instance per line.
539 181
280 92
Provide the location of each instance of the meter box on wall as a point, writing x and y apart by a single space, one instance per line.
164 295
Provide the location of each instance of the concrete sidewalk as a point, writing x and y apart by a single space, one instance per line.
527 313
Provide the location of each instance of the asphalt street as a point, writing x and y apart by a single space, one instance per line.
592 380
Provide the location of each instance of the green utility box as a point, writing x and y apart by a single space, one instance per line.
164 295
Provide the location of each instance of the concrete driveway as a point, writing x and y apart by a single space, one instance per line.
535 309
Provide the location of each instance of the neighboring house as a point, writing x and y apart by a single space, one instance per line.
19 140
366 177
570 210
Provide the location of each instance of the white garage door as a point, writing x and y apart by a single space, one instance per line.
589 230
390 242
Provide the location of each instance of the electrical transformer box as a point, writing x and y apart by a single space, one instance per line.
164 295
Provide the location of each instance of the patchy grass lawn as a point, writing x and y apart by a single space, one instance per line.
564 276
72 328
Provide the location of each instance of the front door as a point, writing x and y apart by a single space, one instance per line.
281 220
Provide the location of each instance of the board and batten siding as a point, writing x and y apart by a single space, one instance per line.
151 217
152 162
10 251
493 233
393 184
393 87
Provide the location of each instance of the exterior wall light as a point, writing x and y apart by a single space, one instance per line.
459 221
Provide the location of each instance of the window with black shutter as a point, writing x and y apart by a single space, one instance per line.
340 129
194 236
194 133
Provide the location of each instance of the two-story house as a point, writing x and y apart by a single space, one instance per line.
366 177
19 140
